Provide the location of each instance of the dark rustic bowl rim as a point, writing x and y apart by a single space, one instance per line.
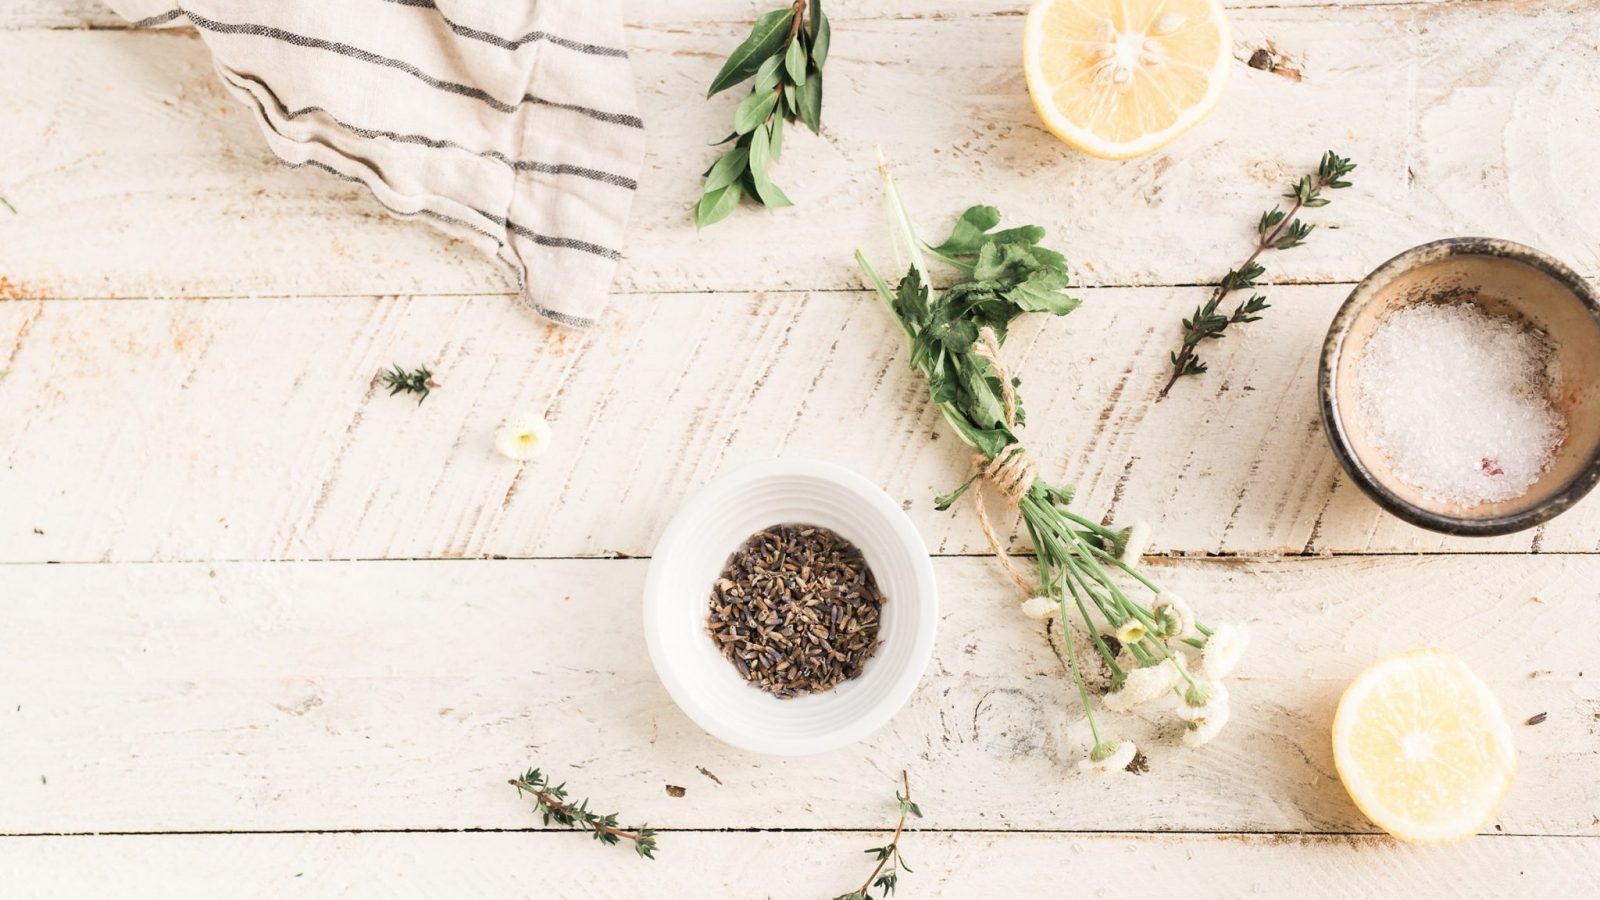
1327 386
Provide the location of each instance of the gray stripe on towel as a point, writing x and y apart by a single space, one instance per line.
513 43
465 90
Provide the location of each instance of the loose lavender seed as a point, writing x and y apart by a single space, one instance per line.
796 610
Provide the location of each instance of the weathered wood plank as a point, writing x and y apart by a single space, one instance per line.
252 429
811 865
181 697
18 14
135 175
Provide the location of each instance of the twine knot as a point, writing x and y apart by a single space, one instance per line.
1012 471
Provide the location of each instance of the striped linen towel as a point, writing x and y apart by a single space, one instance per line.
512 124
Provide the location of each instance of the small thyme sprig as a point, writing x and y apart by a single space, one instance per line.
784 54
554 806
1275 230
7 204
888 855
419 382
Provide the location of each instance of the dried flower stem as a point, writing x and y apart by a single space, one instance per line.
554 806
1275 230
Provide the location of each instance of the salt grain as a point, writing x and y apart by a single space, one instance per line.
1457 400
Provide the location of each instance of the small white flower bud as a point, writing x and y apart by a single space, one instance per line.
1223 650
1107 758
1200 731
1131 632
1173 615
1135 541
1040 607
1143 685
523 438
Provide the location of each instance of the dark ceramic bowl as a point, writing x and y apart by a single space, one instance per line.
1504 278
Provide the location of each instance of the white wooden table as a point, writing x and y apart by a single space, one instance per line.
266 631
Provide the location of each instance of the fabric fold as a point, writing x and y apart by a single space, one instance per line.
512 126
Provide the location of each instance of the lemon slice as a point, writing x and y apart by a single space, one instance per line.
1121 78
1423 748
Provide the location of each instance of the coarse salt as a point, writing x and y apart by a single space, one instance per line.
1458 401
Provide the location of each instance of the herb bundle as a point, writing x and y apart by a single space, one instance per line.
888 856
1084 568
1275 230
784 53
553 806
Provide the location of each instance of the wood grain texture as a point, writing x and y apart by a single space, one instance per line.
136 176
253 429
20 14
402 866
220 697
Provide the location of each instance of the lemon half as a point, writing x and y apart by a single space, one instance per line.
1121 78
1423 747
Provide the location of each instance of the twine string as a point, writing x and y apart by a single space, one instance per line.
1012 471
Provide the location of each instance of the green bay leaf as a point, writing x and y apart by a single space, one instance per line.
765 40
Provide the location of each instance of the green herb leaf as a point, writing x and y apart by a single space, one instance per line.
777 138
794 61
770 73
821 37
766 39
715 205
753 111
968 235
727 169
809 97
760 156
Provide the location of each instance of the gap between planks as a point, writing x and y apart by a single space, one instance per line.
1066 832
1216 558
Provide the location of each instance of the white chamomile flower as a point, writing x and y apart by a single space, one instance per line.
1223 649
1173 615
1039 607
1135 543
1143 685
1199 732
1131 632
1108 758
523 438
1203 699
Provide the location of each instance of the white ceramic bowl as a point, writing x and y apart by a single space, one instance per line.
691 554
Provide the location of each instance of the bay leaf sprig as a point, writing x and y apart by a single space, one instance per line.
886 874
1275 230
554 806
784 54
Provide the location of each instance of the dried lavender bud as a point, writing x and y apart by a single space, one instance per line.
796 610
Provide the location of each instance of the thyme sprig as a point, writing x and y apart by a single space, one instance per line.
888 856
554 806
784 53
419 382
1275 230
